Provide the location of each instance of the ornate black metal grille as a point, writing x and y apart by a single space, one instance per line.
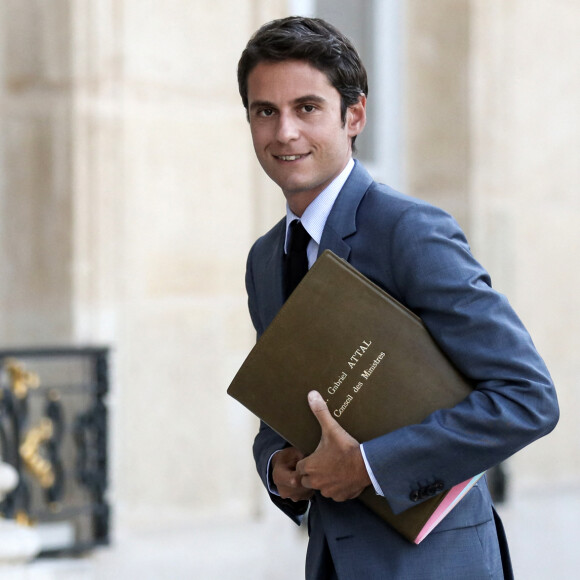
53 430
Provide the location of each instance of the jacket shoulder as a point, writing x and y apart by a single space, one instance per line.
382 198
270 238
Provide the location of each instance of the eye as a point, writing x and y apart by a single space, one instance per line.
266 112
308 108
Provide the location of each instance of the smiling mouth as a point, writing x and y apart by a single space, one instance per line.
289 157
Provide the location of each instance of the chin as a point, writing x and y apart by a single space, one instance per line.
294 188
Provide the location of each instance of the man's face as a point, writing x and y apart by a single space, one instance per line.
297 130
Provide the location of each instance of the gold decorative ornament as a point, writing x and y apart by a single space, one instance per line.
21 380
40 467
23 519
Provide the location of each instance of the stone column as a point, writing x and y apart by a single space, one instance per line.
436 103
36 190
193 201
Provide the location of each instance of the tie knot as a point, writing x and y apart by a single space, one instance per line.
299 237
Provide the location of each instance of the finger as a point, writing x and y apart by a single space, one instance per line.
290 456
295 482
301 467
320 409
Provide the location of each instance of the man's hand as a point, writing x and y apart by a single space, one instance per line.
336 468
286 478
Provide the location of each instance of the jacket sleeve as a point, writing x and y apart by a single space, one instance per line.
514 400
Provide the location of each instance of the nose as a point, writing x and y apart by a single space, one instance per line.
287 129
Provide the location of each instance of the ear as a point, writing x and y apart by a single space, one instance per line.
356 117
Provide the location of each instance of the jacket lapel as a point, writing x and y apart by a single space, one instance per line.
273 272
341 222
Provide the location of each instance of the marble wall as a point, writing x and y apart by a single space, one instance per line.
129 199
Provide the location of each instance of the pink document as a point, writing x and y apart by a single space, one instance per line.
453 497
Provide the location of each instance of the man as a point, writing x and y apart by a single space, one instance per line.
304 89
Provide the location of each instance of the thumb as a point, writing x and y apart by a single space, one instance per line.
320 409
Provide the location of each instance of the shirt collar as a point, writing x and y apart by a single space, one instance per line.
315 215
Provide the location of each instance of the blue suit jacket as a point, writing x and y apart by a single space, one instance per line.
419 255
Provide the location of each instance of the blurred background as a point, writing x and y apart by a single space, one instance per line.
129 197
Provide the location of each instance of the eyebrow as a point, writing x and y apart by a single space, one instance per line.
309 99
300 100
261 104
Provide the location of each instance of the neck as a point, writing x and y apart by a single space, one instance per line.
298 202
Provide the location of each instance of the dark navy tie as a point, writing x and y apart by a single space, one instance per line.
296 259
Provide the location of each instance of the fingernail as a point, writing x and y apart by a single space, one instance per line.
313 396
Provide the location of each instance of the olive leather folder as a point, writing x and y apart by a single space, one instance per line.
373 361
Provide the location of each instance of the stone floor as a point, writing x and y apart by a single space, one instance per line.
541 528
